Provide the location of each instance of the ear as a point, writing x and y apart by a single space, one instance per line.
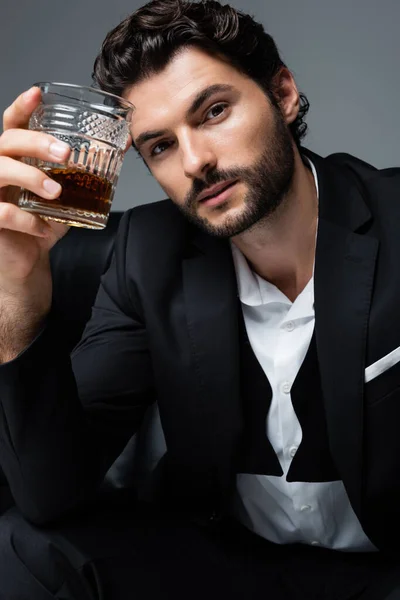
287 95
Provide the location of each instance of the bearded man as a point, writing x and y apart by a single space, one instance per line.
257 306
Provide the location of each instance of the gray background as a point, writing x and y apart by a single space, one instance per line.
345 56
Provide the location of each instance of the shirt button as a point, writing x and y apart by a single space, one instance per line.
315 543
290 326
286 387
305 508
292 451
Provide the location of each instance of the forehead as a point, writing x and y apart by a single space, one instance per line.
169 92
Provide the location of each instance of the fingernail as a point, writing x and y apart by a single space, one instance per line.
59 149
29 94
51 187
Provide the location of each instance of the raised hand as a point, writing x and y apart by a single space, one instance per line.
25 238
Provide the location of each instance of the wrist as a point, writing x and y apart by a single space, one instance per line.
19 326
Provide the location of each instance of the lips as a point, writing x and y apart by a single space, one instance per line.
215 191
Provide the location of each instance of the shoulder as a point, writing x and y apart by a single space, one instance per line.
155 224
151 240
158 214
365 172
379 188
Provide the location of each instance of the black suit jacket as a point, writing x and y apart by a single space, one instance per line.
165 328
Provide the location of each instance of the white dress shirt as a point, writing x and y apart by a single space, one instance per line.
280 333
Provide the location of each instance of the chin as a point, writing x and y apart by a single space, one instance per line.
224 225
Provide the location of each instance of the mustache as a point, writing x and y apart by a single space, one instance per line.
212 178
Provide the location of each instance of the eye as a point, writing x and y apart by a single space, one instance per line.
216 111
160 148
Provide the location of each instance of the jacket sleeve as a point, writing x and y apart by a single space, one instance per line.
63 420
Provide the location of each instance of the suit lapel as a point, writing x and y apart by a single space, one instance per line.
211 305
344 275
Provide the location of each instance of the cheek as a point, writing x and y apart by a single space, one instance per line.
172 180
242 137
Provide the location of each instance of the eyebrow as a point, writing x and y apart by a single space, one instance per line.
198 101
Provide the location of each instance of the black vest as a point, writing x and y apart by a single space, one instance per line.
312 461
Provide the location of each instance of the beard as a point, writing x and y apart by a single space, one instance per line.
268 181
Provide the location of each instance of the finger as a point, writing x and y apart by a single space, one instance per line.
55 231
16 173
17 115
15 219
21 142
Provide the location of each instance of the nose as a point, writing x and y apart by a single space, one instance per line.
197 155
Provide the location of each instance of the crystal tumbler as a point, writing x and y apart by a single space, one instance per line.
95 125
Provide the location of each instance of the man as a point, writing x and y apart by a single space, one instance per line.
258 309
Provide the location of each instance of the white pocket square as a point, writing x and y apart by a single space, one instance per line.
382 365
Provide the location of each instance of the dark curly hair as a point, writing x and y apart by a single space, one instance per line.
143 44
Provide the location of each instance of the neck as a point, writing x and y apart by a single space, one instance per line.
281 249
